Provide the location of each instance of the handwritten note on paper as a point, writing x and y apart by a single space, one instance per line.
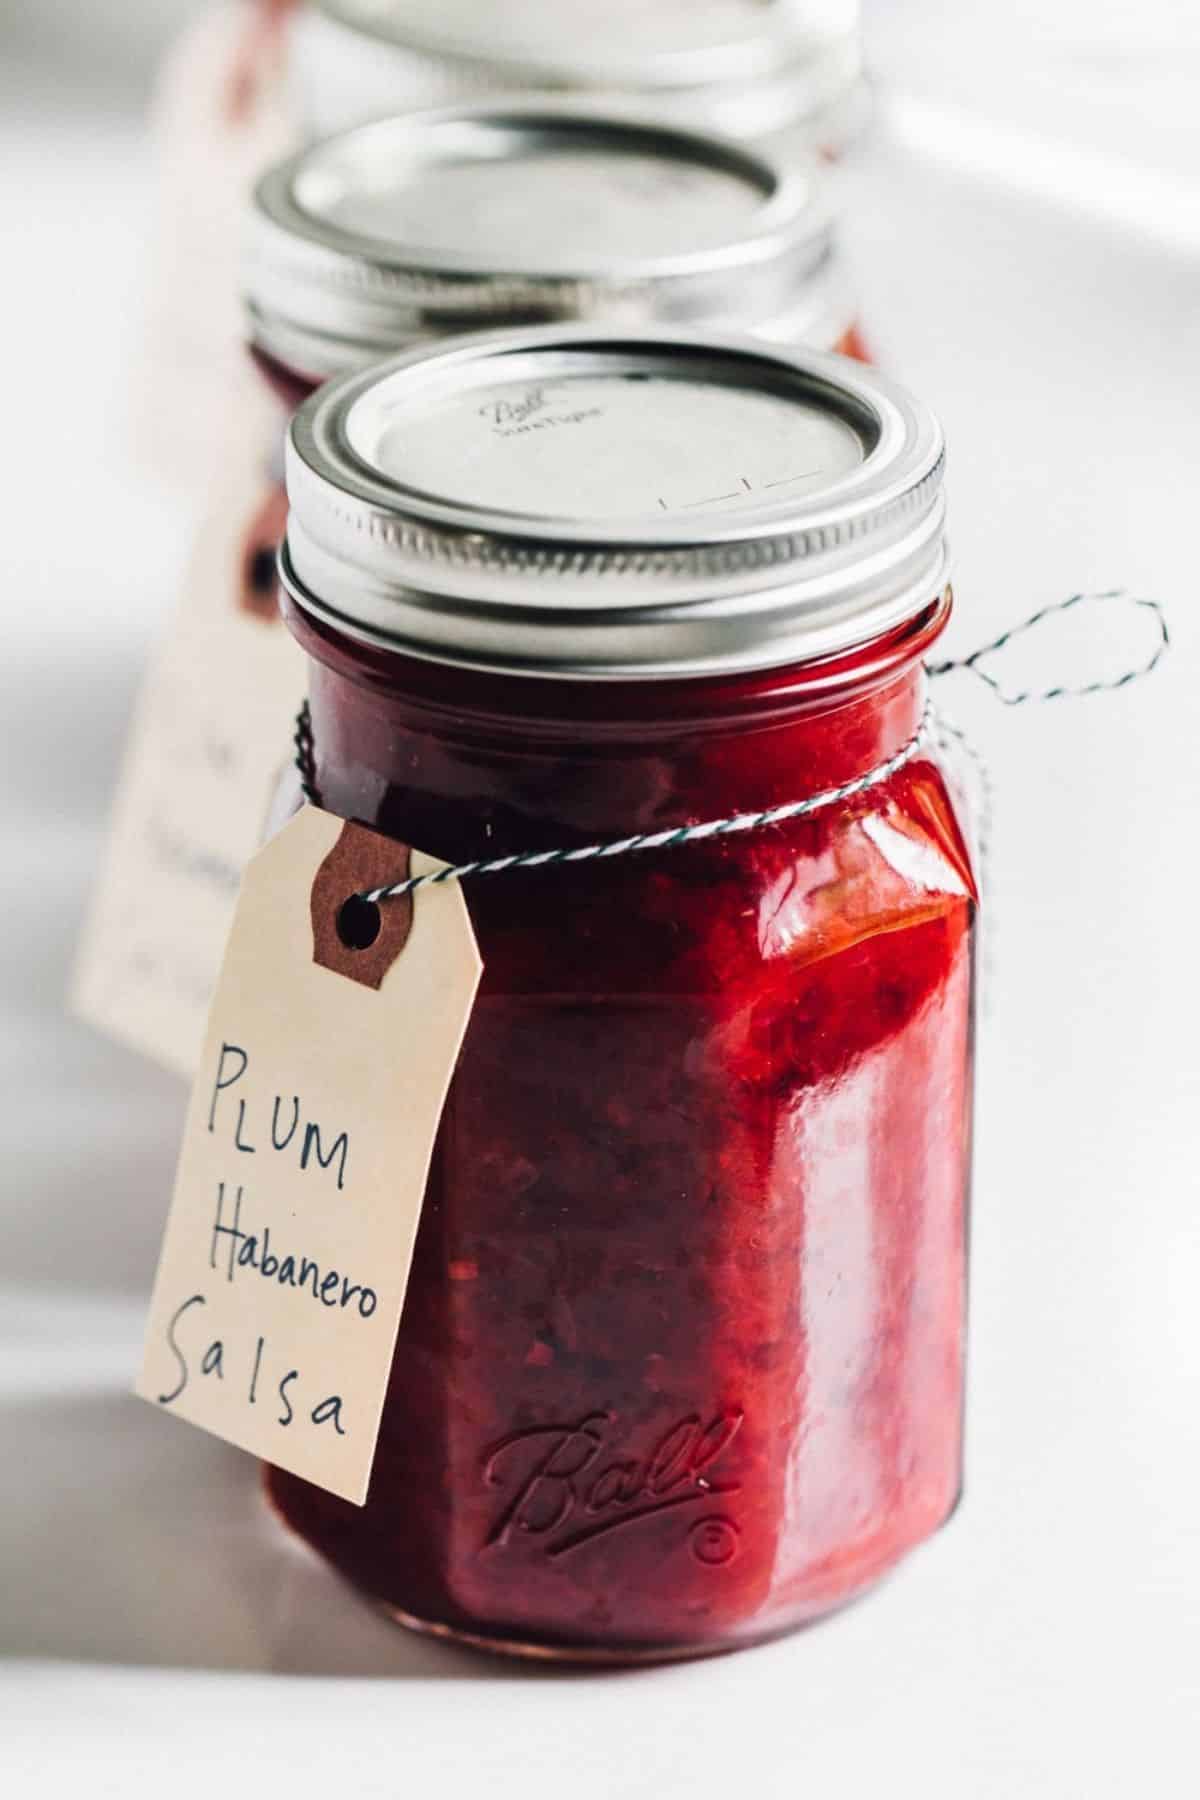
305 1156
209 745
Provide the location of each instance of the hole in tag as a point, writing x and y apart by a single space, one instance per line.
352 936
261 570
358 922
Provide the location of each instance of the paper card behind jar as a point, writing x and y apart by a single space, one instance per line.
208 757
220 116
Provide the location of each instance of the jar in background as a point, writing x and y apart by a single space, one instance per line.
417 227
681 1359
787 73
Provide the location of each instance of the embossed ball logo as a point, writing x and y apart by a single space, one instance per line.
564 1486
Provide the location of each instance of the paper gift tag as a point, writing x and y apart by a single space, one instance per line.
220 117
209 746
306 1152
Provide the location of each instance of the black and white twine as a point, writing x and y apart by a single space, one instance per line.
933 729
971 664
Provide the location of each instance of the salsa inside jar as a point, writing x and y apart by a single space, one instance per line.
680 1364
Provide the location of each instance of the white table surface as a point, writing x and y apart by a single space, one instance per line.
155 1631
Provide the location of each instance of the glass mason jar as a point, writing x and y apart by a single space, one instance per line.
681 1360
418 227
414 228
786 73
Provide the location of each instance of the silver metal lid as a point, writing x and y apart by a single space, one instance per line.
750 68
576 502
414 227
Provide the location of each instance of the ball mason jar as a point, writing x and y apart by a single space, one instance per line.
411 229
414 228
787 73
681 1360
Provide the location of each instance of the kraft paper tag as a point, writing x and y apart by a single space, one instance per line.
208 750
306 1152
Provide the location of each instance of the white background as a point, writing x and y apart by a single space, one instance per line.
1025 233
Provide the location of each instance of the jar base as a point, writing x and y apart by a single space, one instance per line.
597 1657
616 1656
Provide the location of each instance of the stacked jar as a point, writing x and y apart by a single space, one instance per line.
413 228
680 1363
783 74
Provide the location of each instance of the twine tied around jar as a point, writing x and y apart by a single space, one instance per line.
932 729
